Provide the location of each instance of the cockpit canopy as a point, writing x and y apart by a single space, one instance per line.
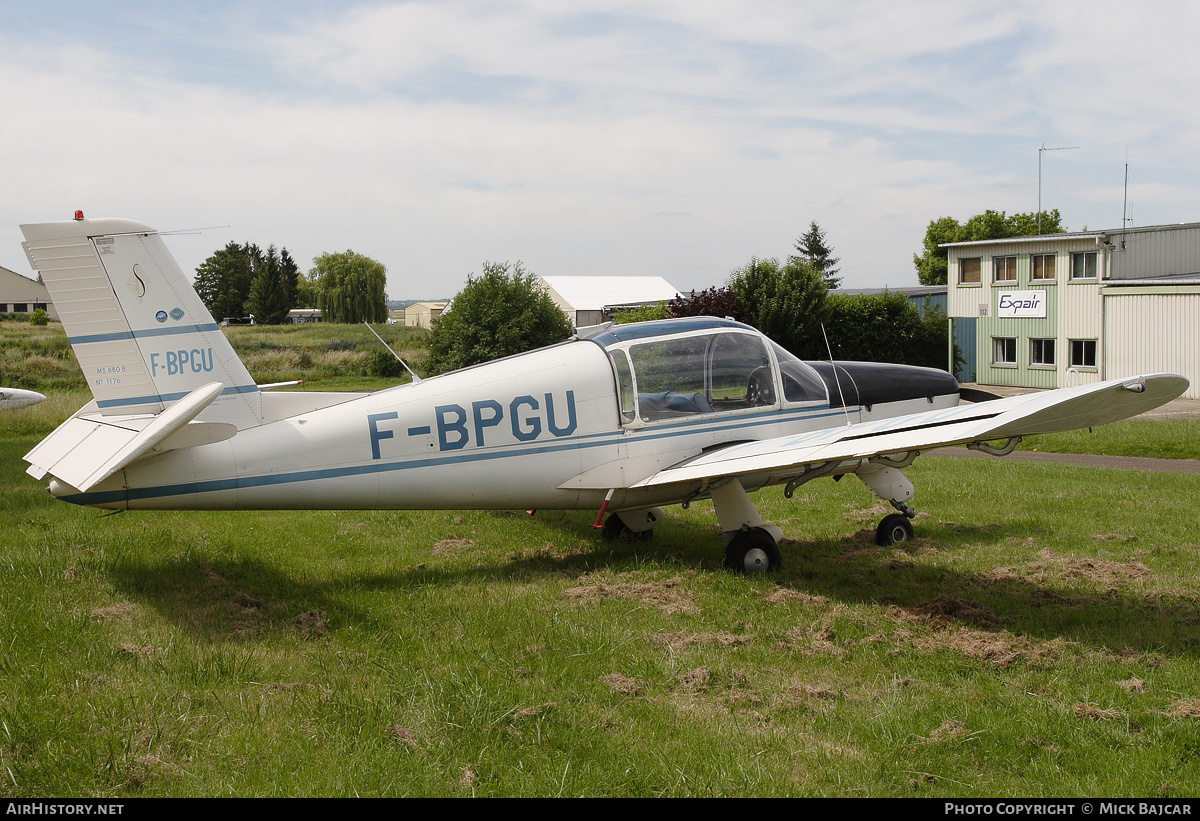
687 367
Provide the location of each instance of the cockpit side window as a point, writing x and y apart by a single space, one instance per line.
800 382
701 375
740 373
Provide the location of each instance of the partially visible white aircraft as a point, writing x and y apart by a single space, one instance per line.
621 419
17 398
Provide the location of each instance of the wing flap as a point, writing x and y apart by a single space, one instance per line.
1065 409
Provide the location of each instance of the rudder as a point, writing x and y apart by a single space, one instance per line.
142 336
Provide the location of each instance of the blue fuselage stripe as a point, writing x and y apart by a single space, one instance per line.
586 441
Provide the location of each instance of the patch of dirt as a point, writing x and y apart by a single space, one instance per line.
1129 685
535 710
312 623
138 651
695 679
678 640
945 611
403 735
451 545
622 684
667 595
157 760
1096 571
822 642
785 595
997 647
798 694
1096 713
1184 708
123 612
874 512
949 730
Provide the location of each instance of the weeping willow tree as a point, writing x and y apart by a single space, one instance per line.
350 288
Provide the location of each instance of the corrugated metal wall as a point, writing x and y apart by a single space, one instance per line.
1151 333
1155 253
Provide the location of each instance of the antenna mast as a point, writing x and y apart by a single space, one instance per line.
1040 150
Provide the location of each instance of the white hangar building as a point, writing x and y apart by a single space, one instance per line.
592 300
1064 309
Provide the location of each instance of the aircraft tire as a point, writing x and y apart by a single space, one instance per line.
617 531
894 529
752 551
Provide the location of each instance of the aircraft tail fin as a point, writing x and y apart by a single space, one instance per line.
141 334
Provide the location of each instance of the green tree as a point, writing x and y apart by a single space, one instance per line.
886 327
223 280
350 288
786 302
498 313
816 252
272 289
931 264
241 280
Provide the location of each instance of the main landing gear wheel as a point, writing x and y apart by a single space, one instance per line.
617 531
894 529
752 551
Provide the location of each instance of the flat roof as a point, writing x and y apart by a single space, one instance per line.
1072 235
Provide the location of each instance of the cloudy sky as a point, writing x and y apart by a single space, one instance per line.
676 138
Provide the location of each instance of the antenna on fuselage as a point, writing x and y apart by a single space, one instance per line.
836 378
415 378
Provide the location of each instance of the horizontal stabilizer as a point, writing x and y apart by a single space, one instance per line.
86 450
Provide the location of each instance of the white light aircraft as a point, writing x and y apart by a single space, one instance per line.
620 419
17 398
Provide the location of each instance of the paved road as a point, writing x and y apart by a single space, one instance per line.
1087 460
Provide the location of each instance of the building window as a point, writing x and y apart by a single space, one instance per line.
1041 267
1005 269
1083 266
20 308
1083 353
968 271
1004 350
1041 352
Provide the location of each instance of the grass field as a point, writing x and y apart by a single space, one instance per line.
1038 638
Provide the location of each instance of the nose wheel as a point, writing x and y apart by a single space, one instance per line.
894 529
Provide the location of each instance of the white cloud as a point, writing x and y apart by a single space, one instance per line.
668 138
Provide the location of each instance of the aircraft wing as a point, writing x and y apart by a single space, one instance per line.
1050 411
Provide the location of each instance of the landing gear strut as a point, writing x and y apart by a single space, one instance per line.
753 544
890 484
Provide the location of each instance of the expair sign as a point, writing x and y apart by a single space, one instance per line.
1021 303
